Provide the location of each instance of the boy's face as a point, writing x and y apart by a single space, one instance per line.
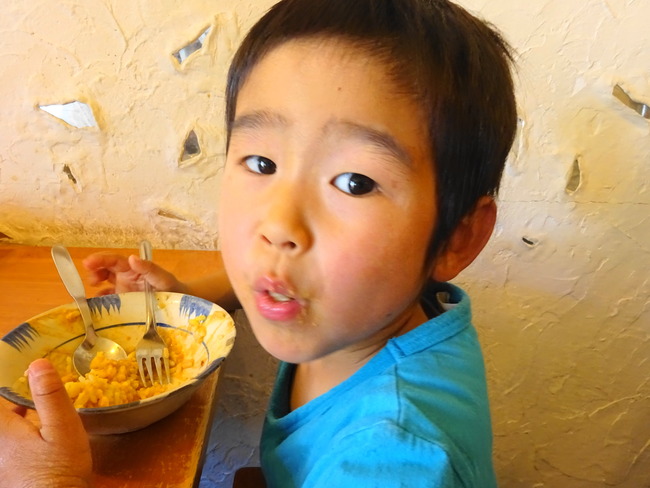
328 203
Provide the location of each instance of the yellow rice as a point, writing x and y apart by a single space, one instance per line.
115 382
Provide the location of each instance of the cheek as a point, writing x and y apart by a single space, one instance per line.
369 287
231 200
229 217
371 267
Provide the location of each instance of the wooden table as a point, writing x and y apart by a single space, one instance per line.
168 453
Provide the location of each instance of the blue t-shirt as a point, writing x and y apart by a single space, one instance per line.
415 415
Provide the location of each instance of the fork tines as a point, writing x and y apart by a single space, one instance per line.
152 361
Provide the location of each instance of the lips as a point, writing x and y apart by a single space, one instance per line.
275 300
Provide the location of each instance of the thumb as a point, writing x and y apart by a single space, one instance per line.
58 417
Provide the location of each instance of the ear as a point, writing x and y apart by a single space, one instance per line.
467 240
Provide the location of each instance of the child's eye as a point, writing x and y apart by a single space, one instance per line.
260 164
354 183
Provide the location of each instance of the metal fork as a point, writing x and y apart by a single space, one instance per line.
151 348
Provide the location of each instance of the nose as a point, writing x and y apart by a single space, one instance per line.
285 224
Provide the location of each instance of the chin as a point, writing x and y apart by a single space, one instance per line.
287 355
290 346
283 351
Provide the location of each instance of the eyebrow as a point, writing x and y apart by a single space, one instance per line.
377 138
259 120
381 140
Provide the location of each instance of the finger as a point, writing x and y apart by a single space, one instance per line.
113 269
102 268
106 291
98 276
58 417
106 261
157 277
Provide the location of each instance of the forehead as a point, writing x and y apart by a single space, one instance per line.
320 84
335 60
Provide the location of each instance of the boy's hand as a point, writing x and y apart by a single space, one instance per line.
126 274
55 455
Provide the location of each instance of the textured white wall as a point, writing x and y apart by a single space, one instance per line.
565 321
561 294
124 178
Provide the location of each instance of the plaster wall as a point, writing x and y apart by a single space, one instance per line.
561 294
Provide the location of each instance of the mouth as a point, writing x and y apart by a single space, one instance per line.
279 297
275 300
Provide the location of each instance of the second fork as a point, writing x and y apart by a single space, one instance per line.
152 347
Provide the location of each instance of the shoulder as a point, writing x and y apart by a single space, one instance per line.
442 354
430 401
384 454
424 419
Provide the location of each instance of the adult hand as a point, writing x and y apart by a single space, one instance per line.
54 455
126 274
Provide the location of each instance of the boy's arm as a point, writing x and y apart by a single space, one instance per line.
385 455
121 274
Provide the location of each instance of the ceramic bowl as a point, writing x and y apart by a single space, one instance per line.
120 317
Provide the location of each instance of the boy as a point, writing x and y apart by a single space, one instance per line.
366 140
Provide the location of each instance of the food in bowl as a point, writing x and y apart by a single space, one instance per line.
111 399
117 381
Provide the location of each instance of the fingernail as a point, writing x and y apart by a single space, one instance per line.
39 367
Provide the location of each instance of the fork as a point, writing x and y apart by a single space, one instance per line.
152 347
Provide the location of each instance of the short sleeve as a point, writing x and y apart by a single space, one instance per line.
384 455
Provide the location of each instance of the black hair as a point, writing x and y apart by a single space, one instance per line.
456 66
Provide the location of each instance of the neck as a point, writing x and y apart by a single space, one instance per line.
317 377
314 378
